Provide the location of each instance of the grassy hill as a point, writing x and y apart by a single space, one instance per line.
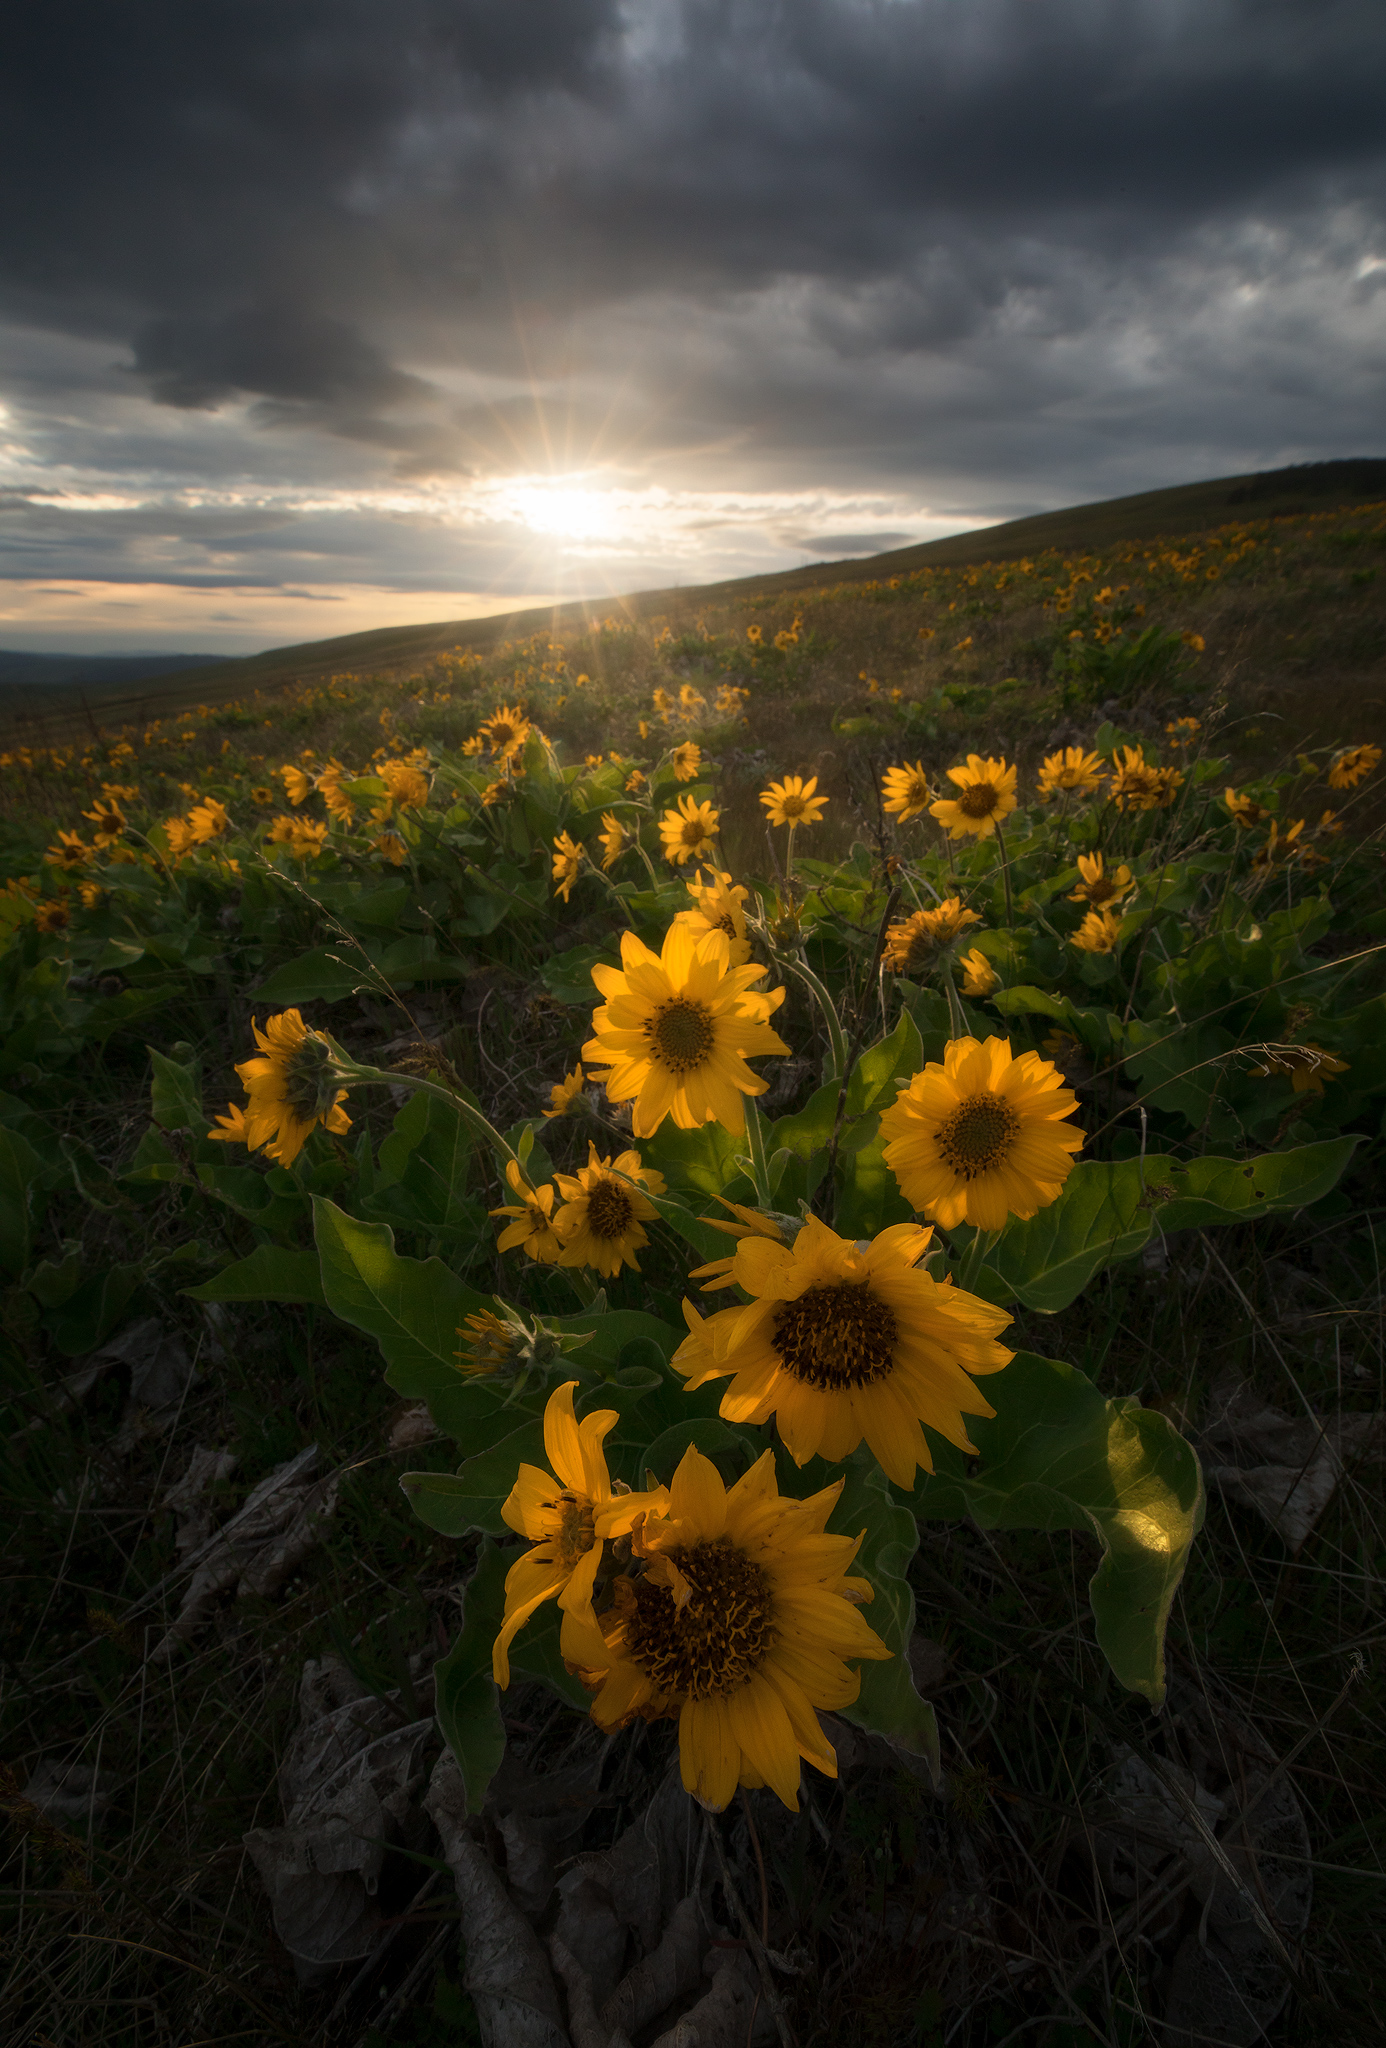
396 651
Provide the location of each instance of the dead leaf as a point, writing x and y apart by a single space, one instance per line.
668 1972
69 1792
722 2018
411 1427
255 1551
508 1975
1286 1467
205 1469
586 2028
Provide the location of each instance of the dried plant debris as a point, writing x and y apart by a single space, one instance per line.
412 1426
347 1785
1213 1856
70 1793
1286 1467
265 1541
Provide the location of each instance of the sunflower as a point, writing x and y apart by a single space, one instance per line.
108 821
1072 768
1307 1065
719 907
840 1343
292 1088
338 803
567 1519
1346 769
391 848
987 796
1099 931
913 946
1330 824
565 1093
1181 731
1279 846
749 1223
1097 886
52 917
181 838
231 1127
488 1344
979 976
981 1137
296 784
687 759
406 782
600 1222
567 864
906 791
677 1028
688 830
505 731
1140 785
533 1214
739 1626
792 802
1245 811
614 839
69 850
208 820
91 894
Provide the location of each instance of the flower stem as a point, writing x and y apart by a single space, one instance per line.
1005 872
974 1257
836 1035
355 1075
755 1143
957 1023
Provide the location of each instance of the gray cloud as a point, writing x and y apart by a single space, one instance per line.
965 262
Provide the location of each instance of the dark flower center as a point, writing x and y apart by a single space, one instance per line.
681 1034
715 1642
610 1211
977 1135
836 1337
978 800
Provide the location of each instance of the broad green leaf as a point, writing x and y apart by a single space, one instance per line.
21 1177
568 976
706 1433
885 1068
413 1308
1059 1455
89 1318
472 1497
326 975
272 1272
888 1702
1109 1208
421 1183
467 1700
701 1162
176 1094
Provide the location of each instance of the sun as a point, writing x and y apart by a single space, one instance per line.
565 511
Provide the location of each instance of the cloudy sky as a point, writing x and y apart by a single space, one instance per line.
318 315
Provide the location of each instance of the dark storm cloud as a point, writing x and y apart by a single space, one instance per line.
1007 251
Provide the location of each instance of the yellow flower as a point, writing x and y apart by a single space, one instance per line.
565 1093
840 1344
292 1088
981 1137
1073 768
1308 1065
1181 731
1139 785
488 1344
600 1221
69 850
749 1223
979 976
567 864
988 796
1279 846
1330 824
1193 640
1097 886
231 1127
391 847
739 1627
1346 770
339 805
505 731
474 745
1245 812
495 793
906 790
91 894
296 783
407 784
108 821
719 908
261 795
686 760
689 830
180 836
912 946
1099 931
51 917
792 802
533 1226
636 779
567 1519
677 1028
207 820
614 838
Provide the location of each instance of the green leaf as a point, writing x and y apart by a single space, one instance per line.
326 975
88 1319
568 976
885 1068
272 1272
1059 1455
423 1170
472 1498
888 1703
413 1308
1108 1209
467 1701
21 1176
176 1094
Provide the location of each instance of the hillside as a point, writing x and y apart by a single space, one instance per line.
401 650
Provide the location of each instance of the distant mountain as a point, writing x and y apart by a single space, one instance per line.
97 670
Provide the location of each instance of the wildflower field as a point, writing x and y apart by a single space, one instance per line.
692 1327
